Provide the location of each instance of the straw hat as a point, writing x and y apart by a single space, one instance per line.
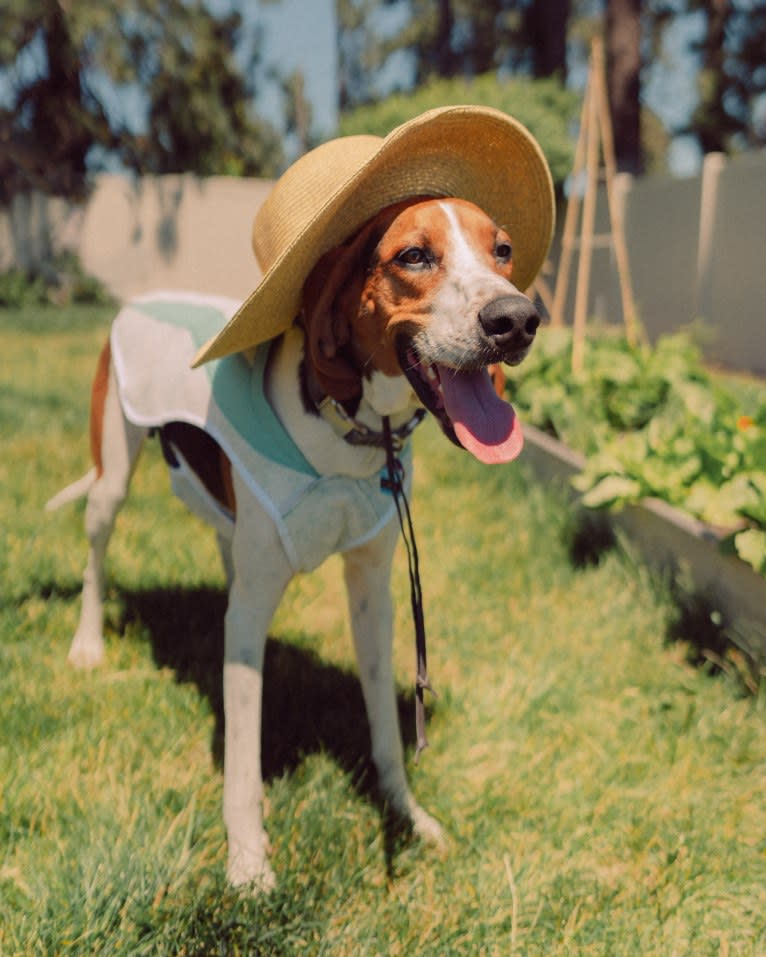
469 152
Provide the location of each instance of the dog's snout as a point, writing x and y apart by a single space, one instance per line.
509 320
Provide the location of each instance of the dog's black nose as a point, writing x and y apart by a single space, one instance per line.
510 321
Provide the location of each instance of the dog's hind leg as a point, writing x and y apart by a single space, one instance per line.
368 574
116 444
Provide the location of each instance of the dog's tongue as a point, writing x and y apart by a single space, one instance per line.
484 424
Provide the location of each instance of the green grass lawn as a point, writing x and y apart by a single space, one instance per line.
602 795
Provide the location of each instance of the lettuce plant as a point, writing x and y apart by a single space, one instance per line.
652 421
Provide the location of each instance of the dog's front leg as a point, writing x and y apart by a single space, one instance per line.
261 574
368 576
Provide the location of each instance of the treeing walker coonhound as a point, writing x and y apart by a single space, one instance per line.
409 313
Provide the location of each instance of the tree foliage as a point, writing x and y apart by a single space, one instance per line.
522 38
74 67
360 51
464 38
728 40
732 77
74 76
623 66
450 38
53 118
543 106
199 114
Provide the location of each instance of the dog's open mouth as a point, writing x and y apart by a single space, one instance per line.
466 405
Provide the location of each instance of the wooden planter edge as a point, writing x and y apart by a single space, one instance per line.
669 539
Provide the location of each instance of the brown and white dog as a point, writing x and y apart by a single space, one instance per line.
409 312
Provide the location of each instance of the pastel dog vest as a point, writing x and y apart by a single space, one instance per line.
154 340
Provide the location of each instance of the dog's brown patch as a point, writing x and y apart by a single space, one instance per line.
205 457
227 483
97 402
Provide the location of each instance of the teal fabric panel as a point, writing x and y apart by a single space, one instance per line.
238 387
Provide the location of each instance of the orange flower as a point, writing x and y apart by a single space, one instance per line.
745 422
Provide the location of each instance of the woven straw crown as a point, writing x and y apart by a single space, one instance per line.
467 152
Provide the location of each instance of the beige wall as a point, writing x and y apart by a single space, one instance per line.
662 225
734 299
172 231
696 246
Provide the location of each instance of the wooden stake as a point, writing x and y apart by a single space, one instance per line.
588 224
615 210
595 137
570 221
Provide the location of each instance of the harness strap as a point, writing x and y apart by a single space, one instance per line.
422 682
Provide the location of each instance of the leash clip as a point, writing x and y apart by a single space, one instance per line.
392 484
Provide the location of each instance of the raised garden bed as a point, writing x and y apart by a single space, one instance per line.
671 540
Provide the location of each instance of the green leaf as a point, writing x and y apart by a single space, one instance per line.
715 504
751 548
753 503
698 400
612 490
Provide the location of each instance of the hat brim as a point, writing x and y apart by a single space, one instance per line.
475 153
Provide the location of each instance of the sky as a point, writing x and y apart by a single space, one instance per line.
297 34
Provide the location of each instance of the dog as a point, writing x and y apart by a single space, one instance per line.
407 314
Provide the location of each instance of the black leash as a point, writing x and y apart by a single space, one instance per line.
395 472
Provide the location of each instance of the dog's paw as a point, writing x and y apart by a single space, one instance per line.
86 652
428 829
251 872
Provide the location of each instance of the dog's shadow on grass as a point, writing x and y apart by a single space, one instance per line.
309 705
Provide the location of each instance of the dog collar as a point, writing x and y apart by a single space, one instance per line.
357 433
345 425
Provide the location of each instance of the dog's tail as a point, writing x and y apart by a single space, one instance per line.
71 493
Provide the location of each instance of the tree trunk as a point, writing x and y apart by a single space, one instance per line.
444 54
546 28
710 119
623 71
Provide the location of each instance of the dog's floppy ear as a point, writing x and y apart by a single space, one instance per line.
331 299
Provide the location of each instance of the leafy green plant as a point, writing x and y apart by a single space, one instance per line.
18 289
653 422
61 281
543 106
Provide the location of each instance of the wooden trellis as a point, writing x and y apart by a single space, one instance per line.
594 142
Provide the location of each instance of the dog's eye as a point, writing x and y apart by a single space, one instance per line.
414 256
503 251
